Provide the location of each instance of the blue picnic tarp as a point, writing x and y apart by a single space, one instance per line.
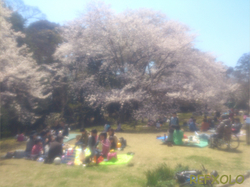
70 137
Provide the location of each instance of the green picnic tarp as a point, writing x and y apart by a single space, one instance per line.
203 143
121 159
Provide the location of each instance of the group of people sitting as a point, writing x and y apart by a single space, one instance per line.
210 124
205 125
226 127
46 144
99 145
176 135
49 146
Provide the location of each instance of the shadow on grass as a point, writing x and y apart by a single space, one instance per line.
204 160
2 163
9 144
228 150
232 151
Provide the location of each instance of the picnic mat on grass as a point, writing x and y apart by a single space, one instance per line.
121 159
203 143
70 137
161 138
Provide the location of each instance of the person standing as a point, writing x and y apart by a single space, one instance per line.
173 124
178 136
174 121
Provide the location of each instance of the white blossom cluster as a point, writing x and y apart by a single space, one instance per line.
134 57
25 86
154 57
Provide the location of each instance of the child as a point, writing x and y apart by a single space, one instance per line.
91 145
105 144
237 125
112 143
111 132
37 149
83 141
106 127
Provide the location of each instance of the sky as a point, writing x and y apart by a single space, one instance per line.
222 26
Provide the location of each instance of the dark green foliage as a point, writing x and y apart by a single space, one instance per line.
122 113
240 74
17 22
9 123
242 67
160 176
4 121
42 39
180 167
163 175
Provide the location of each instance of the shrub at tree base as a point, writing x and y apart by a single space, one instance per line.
163 175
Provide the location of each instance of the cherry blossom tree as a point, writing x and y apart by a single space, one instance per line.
138 56
26 88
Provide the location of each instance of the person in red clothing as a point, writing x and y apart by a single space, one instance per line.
231 113
37 149
205 125
20 137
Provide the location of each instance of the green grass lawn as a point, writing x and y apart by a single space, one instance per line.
149 153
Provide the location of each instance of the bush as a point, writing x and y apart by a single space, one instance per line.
180 168
161 176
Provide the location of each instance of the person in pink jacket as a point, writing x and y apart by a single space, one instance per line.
37 149
104 145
